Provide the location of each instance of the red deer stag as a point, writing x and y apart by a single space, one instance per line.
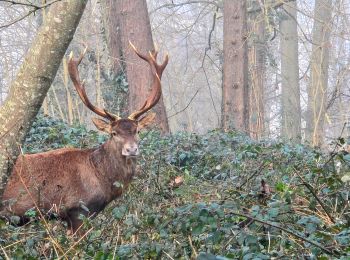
73 181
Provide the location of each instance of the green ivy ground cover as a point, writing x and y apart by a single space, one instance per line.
239 199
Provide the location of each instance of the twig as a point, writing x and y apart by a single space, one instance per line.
168 255
333 153
5 254
261 167
35 8
77 242
311 189
211 95
28 4
275 225
210 35
206 55
274 6
116 242
183 4
193 249
180 111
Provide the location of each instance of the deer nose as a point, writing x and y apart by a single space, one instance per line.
132 150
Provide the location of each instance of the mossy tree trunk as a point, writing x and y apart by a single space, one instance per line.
33 80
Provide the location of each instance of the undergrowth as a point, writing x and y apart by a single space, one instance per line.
214 196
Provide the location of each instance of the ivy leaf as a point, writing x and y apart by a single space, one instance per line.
119 212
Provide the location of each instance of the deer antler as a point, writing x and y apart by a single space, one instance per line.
157 71
79 86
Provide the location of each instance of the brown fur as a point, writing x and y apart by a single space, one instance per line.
62 180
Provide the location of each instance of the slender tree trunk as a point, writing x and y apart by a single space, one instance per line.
257 58
135 27
235 94
33 80
291 111
317 90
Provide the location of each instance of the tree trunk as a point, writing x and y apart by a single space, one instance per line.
317 89
256 60
235 94
33 80
291 111
110 15
114 96
135 27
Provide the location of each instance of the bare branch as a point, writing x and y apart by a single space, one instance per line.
172 5
189 103
33 6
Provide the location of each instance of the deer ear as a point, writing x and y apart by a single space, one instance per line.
146 121
102 125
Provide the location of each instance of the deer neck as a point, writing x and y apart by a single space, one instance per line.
111 164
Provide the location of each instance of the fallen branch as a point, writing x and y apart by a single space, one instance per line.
312 191
276 225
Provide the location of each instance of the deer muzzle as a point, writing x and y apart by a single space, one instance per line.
130 150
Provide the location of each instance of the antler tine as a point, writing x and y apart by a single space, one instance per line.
160 67
80 57
153 56
80 88
157 71
144 57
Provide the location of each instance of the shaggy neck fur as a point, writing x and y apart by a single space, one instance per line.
112 166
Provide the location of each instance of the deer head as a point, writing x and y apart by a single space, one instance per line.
123 131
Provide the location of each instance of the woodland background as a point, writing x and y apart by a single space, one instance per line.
296 63
255 97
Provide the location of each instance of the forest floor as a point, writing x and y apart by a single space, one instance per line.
214 196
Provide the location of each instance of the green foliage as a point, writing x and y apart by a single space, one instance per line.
239 199
48 133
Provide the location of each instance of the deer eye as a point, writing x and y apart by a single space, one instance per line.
114 133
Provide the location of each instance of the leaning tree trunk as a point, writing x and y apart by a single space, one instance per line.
291 111
235 94
33 80
317 90
135 27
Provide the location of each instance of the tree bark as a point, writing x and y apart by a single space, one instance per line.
291 111
317 89
235 94
135 27
33 80
110 11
